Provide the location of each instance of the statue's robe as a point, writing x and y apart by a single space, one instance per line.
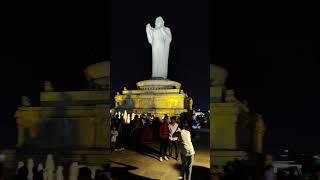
160 41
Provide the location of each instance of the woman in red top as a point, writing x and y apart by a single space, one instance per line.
164 139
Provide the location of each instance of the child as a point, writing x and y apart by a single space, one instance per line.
114 134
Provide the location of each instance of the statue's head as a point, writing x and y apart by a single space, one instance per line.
159 22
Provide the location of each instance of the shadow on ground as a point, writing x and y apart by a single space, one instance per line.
145 149
119 173
148 151
198 172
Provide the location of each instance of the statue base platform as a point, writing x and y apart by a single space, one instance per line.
157 96
158 83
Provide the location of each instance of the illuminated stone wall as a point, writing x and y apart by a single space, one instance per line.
68 119
235 131
71 125
81 126
158 102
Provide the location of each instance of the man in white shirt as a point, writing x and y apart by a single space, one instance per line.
173 127
187 151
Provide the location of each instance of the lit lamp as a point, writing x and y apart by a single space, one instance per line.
125 116
128 119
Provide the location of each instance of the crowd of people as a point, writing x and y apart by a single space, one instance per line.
141 129
169 132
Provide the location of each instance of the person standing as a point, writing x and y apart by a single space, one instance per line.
189 128
134 136
156 126
164 139
114 135
120 138
173 127
187 152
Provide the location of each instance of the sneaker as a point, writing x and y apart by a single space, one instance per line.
160 159
180 177
166 158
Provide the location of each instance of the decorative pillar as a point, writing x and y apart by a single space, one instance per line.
259 134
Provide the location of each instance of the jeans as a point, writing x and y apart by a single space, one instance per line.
113 145
163 147
119 142
186 167
173 143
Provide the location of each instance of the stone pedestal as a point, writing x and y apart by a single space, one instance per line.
155 96
158 83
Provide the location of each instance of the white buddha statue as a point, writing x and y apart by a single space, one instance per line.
160 38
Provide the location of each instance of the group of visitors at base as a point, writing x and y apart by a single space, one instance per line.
171 134
169 131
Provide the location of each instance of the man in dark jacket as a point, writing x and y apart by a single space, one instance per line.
164 139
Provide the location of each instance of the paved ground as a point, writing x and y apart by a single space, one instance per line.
144 164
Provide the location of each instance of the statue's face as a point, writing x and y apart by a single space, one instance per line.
159 22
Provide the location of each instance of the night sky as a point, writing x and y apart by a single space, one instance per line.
189 50
271 50
272 53
47 40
